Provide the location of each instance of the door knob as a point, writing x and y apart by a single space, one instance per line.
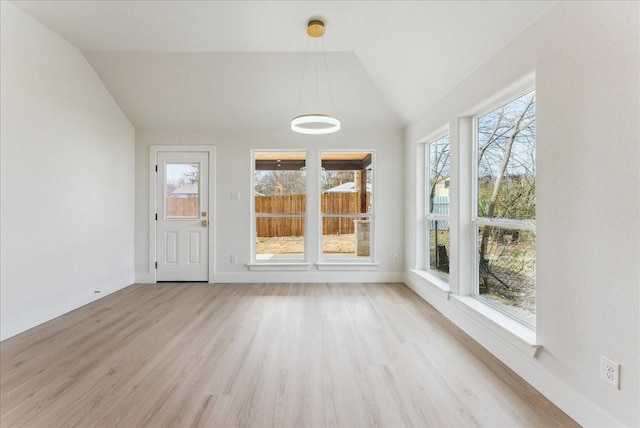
204 223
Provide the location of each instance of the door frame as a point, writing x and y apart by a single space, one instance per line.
153 156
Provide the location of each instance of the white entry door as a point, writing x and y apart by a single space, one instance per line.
182 210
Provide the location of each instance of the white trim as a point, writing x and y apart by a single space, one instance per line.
325 262
278 215
520 88
436 217
348 215
428 216
419 262
506 223
153 156
278 266
311 276
434 136
509 93
355 266
148 278
518 330
432 279
254 262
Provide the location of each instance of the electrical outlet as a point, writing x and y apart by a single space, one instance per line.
234 258
610 372
395 258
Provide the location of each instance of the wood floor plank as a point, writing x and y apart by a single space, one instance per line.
240 355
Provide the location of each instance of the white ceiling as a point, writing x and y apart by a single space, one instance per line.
239 64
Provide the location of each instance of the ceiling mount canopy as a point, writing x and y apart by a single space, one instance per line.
315 123
315 28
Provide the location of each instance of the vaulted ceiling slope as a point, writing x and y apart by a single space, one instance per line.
239 64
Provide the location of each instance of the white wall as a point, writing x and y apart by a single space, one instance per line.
586 56
232 218
67 179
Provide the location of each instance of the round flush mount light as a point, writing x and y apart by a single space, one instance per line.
315 124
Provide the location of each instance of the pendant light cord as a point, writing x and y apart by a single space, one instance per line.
317 66
326 67
304 69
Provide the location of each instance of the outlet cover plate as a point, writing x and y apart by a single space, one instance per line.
610 372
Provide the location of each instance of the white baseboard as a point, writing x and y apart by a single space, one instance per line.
34 319
568 400
308 277
305 276
145 278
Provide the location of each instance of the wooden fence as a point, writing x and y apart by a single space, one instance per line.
331 203
182 207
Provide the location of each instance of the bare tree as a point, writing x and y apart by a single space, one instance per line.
331 178
439 166
506 172
280 182
191 175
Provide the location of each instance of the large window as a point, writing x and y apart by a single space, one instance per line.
346 205
505 208
438 178
280 199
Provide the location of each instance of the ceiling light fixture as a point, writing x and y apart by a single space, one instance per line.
315 123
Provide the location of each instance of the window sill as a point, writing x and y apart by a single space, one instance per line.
504 324
432 279
282 266
347 266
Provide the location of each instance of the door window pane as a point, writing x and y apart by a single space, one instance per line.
182 182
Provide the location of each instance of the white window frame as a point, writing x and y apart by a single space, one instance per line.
428 215
284 263
477 222
327 261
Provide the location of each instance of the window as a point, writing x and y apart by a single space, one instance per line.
346 205
505 208
438 176
280 187
181 190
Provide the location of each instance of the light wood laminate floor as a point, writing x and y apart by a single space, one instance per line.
298 355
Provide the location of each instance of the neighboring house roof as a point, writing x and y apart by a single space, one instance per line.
186 189
348 187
